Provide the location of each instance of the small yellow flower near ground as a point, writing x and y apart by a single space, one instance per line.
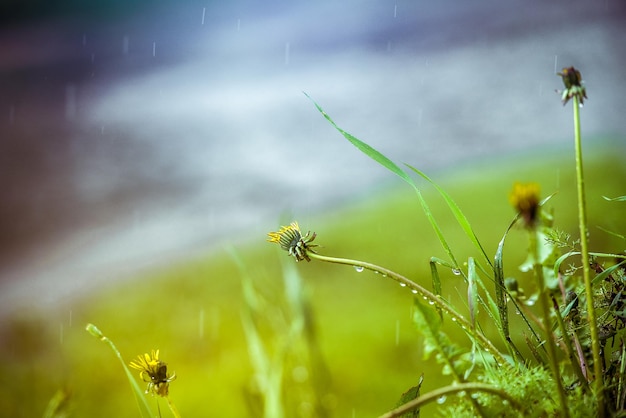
525 199
154 372
291 240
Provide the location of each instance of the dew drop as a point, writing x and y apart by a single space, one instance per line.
414 291
402 284
453 319
431 302
475 395
441 399
358 269
456 272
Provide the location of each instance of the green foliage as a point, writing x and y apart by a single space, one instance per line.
541 391
140 396
410 395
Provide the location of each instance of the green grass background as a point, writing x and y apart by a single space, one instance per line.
191 311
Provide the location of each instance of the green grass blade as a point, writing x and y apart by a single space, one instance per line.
498 270
615 199
607 272
472 290
366 149
140 396
456 211
391 166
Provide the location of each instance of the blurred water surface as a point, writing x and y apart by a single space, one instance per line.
145 134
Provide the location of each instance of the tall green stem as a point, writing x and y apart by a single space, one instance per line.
426 294
584 249
545 306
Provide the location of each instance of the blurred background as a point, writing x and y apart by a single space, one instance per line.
134 135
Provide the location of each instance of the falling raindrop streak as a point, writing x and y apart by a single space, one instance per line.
70 101
125 44
397 332
287 52
203 14
154 49
201 324
555 63
395 11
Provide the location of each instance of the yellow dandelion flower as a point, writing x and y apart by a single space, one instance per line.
154 372
525 199
291 240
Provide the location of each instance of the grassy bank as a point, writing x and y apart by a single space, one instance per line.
367 351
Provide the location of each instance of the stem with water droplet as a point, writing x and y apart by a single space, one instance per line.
584 249
431 297
447 390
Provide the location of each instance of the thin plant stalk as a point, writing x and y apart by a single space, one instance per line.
172 407
571 354
584 249
447 390
426 294
545 306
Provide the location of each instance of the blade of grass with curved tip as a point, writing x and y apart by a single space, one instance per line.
615 199
366 149
456 211
391 166
606 272
142 403
597 278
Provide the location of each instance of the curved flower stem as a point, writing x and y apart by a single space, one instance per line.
447 390
584 249
426 294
